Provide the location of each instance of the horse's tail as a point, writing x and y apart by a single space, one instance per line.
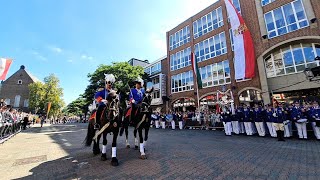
90 134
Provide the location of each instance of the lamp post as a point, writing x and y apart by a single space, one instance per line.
313 74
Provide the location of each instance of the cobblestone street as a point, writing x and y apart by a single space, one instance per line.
56 152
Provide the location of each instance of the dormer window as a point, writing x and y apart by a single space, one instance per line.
19 81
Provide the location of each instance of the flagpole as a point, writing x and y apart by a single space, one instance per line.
198 96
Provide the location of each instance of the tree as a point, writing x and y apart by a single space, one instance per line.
43 93
124 73
77 107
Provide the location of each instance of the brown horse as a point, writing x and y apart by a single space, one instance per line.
108 120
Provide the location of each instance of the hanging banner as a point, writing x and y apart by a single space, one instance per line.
244 55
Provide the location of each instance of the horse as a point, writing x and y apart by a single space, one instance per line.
108 119
141 119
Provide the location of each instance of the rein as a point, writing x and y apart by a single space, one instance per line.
144 115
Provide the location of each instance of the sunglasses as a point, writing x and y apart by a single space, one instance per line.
109 82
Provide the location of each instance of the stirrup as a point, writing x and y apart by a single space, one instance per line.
96 126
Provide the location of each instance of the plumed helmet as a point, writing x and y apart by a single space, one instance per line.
109 77
139 80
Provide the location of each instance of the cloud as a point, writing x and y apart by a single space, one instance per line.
55 49
88 58
84 56
39 56
70 60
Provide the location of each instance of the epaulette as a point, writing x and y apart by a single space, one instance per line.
100 89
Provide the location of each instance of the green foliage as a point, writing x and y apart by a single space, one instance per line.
41 94
76 107
124 73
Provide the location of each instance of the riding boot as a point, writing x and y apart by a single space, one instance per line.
282 135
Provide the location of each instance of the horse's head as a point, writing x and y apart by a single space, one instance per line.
113 106
146 102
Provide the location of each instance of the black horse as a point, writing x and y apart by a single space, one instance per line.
108 120
140 117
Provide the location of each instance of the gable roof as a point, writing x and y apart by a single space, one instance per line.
22 69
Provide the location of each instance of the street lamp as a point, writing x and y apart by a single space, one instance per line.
313 74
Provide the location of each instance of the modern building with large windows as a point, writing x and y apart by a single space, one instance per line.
286 39
157 72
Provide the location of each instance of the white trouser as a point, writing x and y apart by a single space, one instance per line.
163 124
248 128
180 125
316 130
228 128
157 124
302 130
173 124
260 128
272 130
287 130
254 129
241 127
235 127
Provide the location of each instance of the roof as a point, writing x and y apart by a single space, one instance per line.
34 79
156 61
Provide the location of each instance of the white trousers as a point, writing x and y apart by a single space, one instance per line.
248 128
173 124
227 128
316 130
235 127
287 130
254 129
272 129
241 127
260 128
163 124
302 130
180 125
157 124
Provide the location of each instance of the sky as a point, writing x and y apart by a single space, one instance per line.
70 38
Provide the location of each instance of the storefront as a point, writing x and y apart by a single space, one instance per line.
302 96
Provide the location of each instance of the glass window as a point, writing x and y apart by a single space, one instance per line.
181 82
317 47
179 60
285 19
265 2
180 37
207 23
236 4
295 58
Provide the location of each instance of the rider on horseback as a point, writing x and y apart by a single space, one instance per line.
104 95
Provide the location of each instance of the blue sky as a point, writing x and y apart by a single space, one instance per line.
70 38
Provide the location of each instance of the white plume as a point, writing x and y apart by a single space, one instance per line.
109 77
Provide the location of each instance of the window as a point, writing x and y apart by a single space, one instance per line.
179 38
181 59
285 19
210 48
147 70
156 68
265 2
231 39
7 101
155 81
215 74
17 101
156 95
26 103
292 59
19 81
182 82
207 23
236 4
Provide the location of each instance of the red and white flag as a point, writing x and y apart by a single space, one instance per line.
4 67
244 56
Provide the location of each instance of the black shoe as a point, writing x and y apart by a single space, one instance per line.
114 161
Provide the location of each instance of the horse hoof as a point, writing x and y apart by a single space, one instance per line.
114 161
96 152
103 157
128 146
136 147
143 157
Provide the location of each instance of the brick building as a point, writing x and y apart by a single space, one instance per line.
286 40
15 90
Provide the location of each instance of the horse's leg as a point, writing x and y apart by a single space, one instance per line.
114 160
104 146
143 155
127 138
146 132
96 148
136 142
